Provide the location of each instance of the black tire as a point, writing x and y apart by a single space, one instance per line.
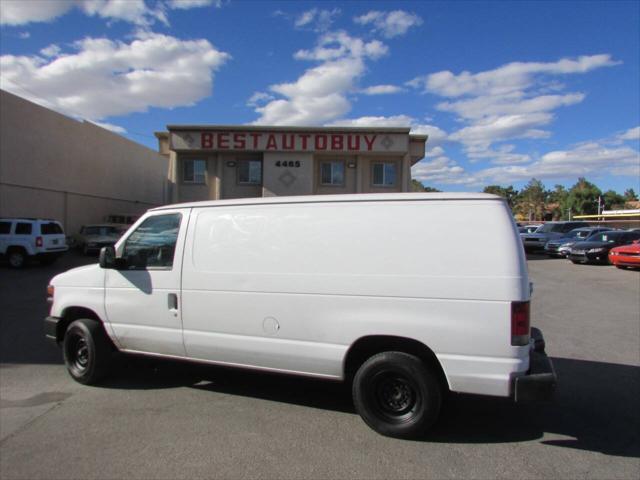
622 267
87 351
17 258
575 262
397 395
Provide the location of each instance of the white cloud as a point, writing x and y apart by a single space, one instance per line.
506 103
441 170
337 45
437 136
19 12
392 121
318 20
389 24
132 11
485 132
319 95
259 97
591 159
105 78
110 126
138 12
187 4
631 134
503 155
52 50
434 152
512 104
513 77
24 35
381 90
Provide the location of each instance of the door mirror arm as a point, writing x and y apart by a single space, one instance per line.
108 259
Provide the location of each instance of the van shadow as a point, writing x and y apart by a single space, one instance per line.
595 408
147 373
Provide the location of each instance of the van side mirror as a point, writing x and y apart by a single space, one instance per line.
107 257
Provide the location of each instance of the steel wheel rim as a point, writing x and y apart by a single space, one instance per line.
396 397
78 353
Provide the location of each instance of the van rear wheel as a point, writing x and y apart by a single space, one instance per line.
397 395
87 352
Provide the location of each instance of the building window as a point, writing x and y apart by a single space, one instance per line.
384 174
250 172
194 171
332 173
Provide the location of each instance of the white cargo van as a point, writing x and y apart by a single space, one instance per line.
387 291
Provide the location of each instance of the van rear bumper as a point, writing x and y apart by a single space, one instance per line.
539 384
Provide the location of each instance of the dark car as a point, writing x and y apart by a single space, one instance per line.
548 231
529 228
596 248
559 247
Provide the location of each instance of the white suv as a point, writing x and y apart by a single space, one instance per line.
24 238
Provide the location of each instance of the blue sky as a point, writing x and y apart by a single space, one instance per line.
506 91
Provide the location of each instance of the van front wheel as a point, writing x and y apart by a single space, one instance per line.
397 395
87 352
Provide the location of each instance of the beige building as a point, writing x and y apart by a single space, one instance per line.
208 162
53 166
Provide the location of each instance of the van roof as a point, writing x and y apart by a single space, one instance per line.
358 197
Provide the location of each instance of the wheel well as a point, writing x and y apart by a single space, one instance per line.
366 347
17 248
71 314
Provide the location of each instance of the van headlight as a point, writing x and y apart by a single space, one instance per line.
595 250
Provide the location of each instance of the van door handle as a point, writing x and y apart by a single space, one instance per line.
173 303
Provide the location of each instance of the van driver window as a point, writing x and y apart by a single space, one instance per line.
153 243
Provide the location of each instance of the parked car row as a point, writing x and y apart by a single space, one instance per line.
91 238
44 240
584 244
22 239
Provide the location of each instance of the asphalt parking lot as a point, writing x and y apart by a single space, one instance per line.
169 420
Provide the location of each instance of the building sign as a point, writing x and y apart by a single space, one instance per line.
354 142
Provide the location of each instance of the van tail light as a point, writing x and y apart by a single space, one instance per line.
520 323
38 241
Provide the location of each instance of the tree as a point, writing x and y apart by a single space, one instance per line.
509 193
613 200
416 186
557 198
530 202
583 198
630 195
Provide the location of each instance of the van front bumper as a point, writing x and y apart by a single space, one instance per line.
539 384
51 329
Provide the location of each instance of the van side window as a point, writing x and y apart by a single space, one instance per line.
153 243
5 228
